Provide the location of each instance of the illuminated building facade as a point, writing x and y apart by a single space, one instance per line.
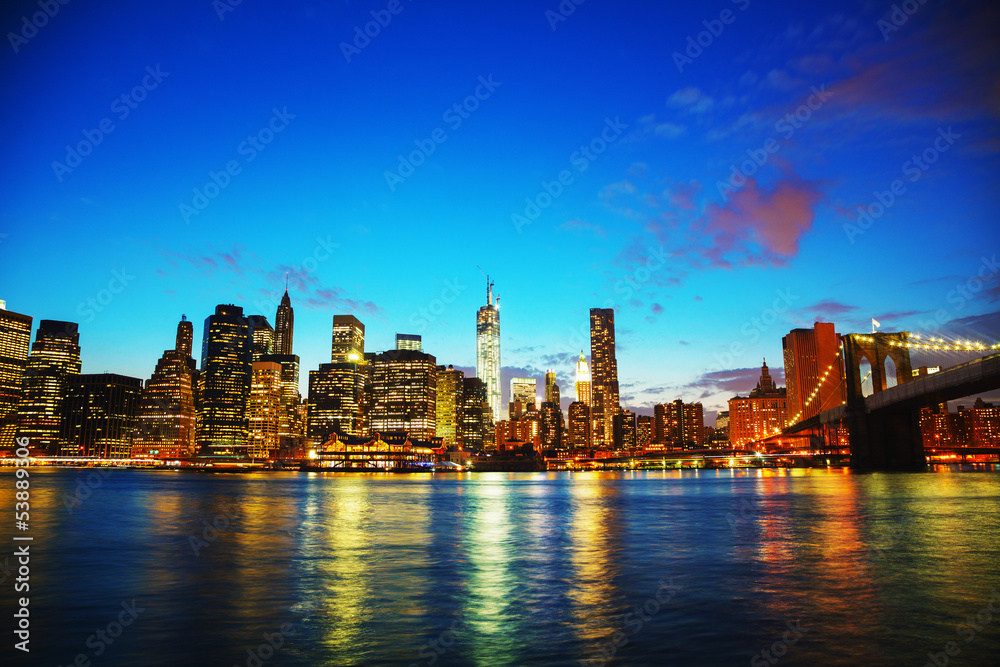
762 413
291 426
522 397
284 325
54 360
409 342
808 353
488 350
335 401
404 393
15 342
166 416
643 430
449 404
348 340
604 372
623 424
579 424
263 336
552 426
583 380
264 409
224 382
100 415
975 427
551 388
475 415
515 435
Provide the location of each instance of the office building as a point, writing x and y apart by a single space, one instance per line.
623 424
54 360
449 404
475 416
348 340
408 342
604 375
762 413
224 383
643 431
263 336
404 393
284 325
99 415
166 415
488 350
808 353
15 343
583 380
579 424
335 401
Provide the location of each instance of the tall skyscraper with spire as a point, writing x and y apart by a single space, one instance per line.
488 350
284 324
604 385
583 380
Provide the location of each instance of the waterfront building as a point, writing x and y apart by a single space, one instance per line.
166 415
643 431
808 353
404 393
264 409
579 424
623 424
449 404
99 415
54 360
762 413
475 418
15 343
488 350
224 382
604 373
335 401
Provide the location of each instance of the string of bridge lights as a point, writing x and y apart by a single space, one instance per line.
934 343
815 392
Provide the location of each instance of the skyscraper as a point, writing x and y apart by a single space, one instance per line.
551 388
579 424
604 387
404 393
408 342
583 380
165 418
522 397
224 382
291 428
475 415
488 350
348 340
284 325
335 401
54 359
264 409
263 336
15 339
100 415
449 404
808 353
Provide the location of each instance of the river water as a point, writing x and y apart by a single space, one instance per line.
816 567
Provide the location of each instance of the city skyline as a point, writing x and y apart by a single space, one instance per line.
691 199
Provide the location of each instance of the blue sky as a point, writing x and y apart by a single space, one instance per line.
663 212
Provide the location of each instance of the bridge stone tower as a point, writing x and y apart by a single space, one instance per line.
892 441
